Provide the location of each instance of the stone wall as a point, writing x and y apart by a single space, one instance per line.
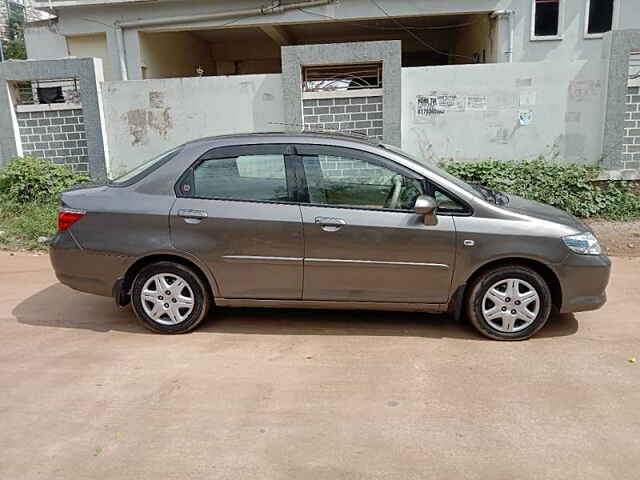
631 142
357 114
55 132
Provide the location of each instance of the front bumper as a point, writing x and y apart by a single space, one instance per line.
584 279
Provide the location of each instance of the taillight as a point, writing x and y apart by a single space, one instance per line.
68 216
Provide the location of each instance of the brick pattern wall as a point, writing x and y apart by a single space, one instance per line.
357 170
631 144
354 114
57 135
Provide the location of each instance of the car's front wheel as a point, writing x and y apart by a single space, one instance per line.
509 303
168 297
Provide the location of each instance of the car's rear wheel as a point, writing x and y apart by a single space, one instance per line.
509 303
169 298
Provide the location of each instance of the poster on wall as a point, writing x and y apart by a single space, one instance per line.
527 98
525 117
477 102
450 102
428 105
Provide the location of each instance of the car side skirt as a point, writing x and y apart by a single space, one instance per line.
334 305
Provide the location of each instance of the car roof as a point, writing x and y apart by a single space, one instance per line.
292 136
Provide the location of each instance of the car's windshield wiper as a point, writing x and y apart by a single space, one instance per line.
501 198
486 193
490 195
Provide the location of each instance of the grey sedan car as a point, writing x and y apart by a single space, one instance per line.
307 220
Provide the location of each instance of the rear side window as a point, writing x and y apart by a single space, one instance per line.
145 168
259 177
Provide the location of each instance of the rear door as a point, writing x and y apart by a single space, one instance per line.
236 211
363 241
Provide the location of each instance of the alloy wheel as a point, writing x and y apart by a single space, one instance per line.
167 298
510 305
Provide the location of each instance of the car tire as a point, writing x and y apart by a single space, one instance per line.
509 303
169 298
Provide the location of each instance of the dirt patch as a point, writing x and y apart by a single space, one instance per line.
619 239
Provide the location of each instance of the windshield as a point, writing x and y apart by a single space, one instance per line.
438 171
148 165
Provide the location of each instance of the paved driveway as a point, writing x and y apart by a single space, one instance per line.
265 394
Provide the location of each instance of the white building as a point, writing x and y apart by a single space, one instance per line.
137 39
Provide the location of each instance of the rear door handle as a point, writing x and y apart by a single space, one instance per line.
330 224
189 214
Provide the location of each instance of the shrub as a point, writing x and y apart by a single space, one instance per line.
22 224
570 187
30 179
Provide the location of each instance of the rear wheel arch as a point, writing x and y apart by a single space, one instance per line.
540 268
133 270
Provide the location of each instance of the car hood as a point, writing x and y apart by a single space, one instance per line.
542 211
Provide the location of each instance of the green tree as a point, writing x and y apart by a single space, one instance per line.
14 46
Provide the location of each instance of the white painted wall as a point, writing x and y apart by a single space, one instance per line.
94 45
43 41
173 54
565 99
147 117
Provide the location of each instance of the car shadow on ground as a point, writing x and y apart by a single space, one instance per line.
59 306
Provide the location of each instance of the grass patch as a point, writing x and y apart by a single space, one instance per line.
22 224
29 191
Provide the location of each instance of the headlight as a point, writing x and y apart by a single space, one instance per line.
583 243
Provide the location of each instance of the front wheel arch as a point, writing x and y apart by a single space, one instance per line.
540 268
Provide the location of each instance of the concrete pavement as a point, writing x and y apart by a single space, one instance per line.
268 394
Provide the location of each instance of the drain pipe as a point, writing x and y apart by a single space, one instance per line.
124 74
509 14
155 22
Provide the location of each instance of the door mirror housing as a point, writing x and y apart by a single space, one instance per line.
427 206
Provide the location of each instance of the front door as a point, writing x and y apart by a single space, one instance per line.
363 242
235 212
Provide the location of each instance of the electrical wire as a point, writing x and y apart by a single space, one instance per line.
390 29
420 40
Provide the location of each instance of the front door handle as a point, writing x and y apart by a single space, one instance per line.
192 216
330 224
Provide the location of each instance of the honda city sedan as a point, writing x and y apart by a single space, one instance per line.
314 220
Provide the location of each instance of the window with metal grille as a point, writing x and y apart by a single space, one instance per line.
634 68
546 18
63 90
599 16
341 77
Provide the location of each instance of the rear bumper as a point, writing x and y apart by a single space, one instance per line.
584 279
90 272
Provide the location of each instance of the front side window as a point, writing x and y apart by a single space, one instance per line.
245 177
599 16
350 182
546 18
448 204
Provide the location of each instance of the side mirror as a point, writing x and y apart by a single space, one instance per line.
427 206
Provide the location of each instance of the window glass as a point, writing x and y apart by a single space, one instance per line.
547 18
600 16
246 177
333 180
148 165
447 204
